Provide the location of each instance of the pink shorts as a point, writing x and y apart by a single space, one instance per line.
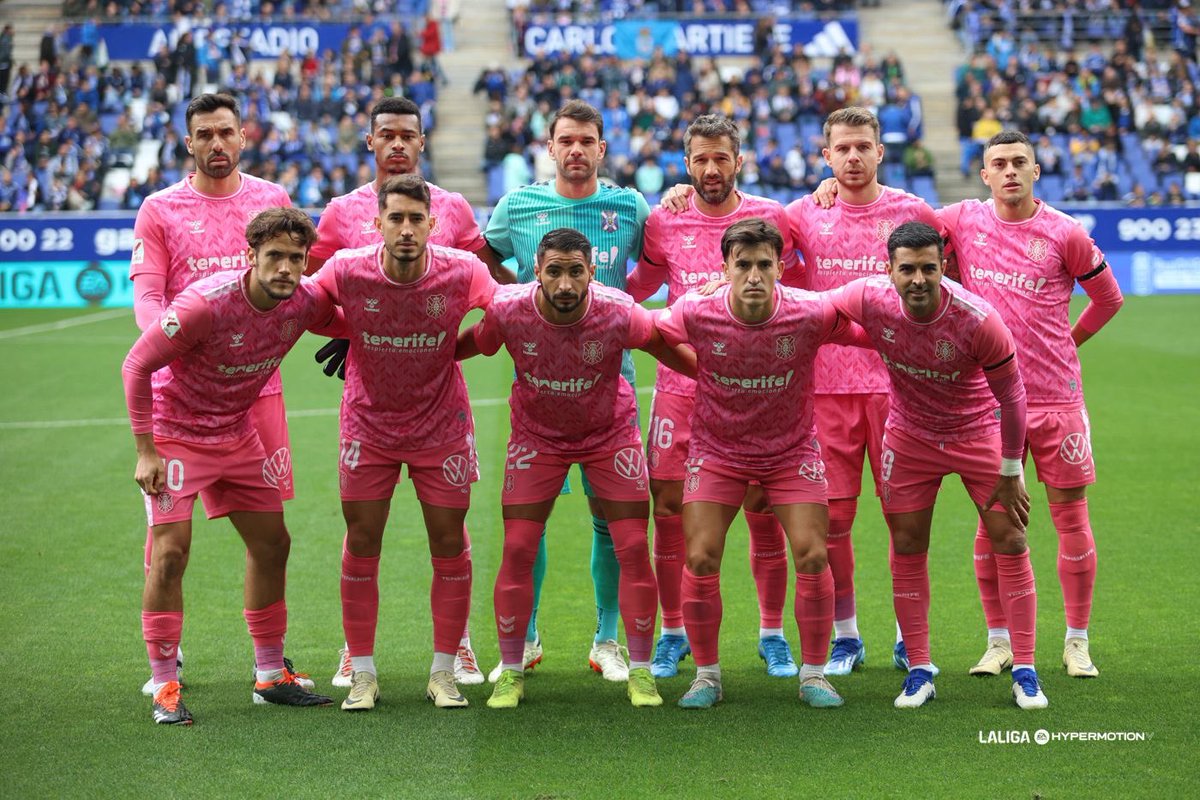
912 469
710 482
270 420
670 433
534 477
228 476
1061 445
849 427
442 476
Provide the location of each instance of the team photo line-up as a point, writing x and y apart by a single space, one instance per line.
857 325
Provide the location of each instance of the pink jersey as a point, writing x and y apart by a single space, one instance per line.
348 222
1027 271
222 350
684 251
184 236
938 388
754 396
842 243
404 390
569 397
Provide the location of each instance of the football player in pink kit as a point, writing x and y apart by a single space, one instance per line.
684 251
845 241
1024 258
405 403
570 404
755 345
223 337
348 222
950 358
196 228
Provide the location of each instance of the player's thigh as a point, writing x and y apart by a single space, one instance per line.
669 436
367 472
911 472
619 481
190 469
242 484
705 525
806 525
1060 443
843 431
531 478
269 418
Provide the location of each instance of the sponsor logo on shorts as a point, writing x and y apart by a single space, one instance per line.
1075 449
592 351
170 323
435 305
785 347
813 471
277 468
456 469
1037 249
884 228
287 331
165 502
139 252
629 463
608 221
944 350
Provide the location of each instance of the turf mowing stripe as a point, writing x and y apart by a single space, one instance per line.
70 322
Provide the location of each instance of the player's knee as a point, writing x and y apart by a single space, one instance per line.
810 557
363 541
1010 541
668 498
446 542
168 562
702 562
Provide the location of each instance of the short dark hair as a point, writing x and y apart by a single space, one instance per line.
208 103
565 240
413 186
400 106
712 126
751 232
273 222
579 111
1007 137
914 235
851 117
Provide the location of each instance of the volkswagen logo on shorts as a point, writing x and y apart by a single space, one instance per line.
277 468
1075 449
813 471
456 470
165 502
629 463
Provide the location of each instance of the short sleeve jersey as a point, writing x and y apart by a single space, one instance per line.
936 365
186 236
404 390
234 350
685 250
754 391
1027 271
612 220
838 245
569 397
348 222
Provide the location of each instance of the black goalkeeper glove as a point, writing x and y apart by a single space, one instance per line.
333 355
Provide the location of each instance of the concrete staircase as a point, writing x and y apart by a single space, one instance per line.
29 19
917 32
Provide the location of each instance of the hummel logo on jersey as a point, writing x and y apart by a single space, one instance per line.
507 623
981 239
592 352
543 218
372 305
1037 249
608 221
689 242
826 229
785 347
170 323
944 350
368 227
889 335
529 348
718 349
435 305
195 226
236 340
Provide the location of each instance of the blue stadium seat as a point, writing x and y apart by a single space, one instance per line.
787 135
893 175
1050 188
495 184
924 187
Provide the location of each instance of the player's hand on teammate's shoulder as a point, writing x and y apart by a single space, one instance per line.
826 194
676 198
711 287
333 355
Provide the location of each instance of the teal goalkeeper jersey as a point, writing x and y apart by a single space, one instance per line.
612 219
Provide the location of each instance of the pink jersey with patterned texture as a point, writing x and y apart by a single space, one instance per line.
568 397
838 245
936 366
754 396
186 236
404 390
684 251
348 222
222 351
1027 271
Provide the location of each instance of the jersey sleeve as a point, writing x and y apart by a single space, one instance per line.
327 279
791 261
947 217
837 328
651 270
672 323
497 233
643 213
149 298
993 342
183 326
150 254
327 233
488 336
327 318
1081 256
483 287
469 238
848 299
1104 300
641 325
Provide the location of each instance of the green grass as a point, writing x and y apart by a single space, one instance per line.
72 722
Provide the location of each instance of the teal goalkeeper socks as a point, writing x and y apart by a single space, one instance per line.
539 576
606 576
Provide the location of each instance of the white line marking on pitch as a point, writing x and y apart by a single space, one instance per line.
69 322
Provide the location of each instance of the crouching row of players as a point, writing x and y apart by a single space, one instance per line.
750 345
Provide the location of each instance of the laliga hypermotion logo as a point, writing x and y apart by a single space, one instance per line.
592 352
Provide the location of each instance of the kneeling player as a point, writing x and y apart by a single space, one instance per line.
755 344
570 404
223 337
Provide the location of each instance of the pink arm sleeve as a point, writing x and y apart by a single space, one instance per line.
150 256
671 323
651 270
181 327
328 319
641 324
488 336
483 286
996 352
149 297
848 300
326 243
791 262
840 330
470 238
1105 299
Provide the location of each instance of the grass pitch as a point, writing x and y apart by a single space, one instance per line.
72 722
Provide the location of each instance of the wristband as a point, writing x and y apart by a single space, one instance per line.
1010 467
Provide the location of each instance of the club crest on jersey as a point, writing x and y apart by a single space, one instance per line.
435 305
542 217
139 252
287 331
889 335
813 471
629 464
456 469
529 348
689 242
785 347
981 239
195 226
165 502
371 305
1075 449
170 323
1037 249
718 349
944 350
883 229
592 351
608 221
277 468
236 340
826 229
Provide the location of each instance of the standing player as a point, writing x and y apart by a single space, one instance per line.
194 229
684 251
348 222
223 337
571 404
1024 258
612 219
755 346
405 403
950 359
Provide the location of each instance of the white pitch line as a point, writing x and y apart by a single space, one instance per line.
69 322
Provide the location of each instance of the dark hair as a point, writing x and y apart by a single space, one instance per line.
851 117
1007 137
273 222
565 240
914 235
400 106
208 103
712 126
579 111
751 232
413 186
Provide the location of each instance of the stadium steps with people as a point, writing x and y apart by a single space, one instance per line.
30 19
